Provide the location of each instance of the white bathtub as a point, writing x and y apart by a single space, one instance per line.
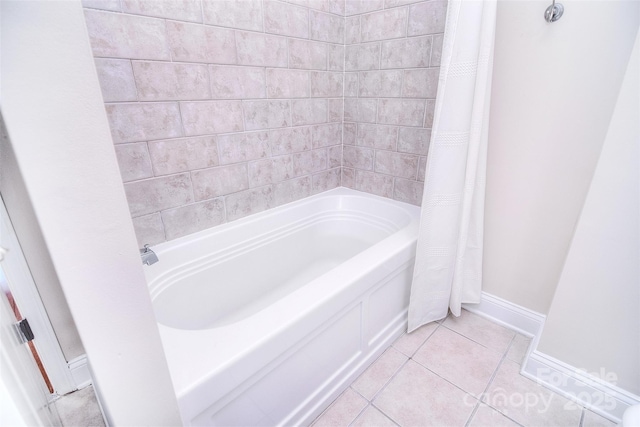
265 320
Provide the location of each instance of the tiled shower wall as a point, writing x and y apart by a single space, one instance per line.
392 61
220 109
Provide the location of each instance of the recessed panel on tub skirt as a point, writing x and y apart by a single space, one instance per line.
278 395
387 303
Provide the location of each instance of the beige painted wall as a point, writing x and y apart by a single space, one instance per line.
554 89
594 320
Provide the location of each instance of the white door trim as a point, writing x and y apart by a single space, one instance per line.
28 300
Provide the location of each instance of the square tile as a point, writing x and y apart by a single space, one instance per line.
480 330
518 349
418 397
379 373
409 343
455 358
373 417
527 402
486 416
343 411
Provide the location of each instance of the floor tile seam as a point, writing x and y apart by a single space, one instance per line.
396 422
473 414
419 346
495 373
384 386
443 378
371 405
386 382
580 424
359 413
474 340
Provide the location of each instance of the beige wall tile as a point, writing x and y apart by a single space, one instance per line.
116 80
422 168
420 83
237 82
357 157
336 110
116 35
266 114
201 43
384 25
349 132
306 162
143 121
427 17
407 112
352 30
332 6
166 81
336 57
348 178
430 110
334 154
326 84
261 49
156 194
406 53
308 111
377 136
397 164
326 135
291 190
360 110
307 55
436 51
192 218
362 57
183 10
380 83
374 183
326 27
207 117
408 191
134 161
291 140
270 171
241 147
326 180
354 7
184 154
214 182
283 83
245 14
249 202
149 229
350 84
286 19
414 140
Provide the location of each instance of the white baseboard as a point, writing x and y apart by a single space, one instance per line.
508 314
79 369
595 394
585 389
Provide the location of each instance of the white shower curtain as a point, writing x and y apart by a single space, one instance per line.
448 268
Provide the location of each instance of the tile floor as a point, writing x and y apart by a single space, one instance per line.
80 409
460 372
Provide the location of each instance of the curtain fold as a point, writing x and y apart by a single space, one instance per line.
448 267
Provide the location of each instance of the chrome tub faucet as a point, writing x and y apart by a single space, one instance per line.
148 256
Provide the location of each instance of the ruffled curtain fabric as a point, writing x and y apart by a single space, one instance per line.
448 268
